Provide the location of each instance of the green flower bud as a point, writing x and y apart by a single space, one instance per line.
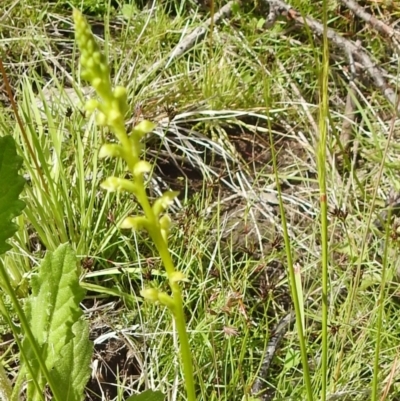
113 184
91 105
176 277
150 294
165 224
143 128
97 57
96 83
141 167
104 68
111 150
135 223
114 115
86 75
101 119
166 300
91 64
120 95
161 204
120 92
94 64
91 47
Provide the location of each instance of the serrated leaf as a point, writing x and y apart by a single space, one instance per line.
53 307
148 395
56 322
11 186
73 373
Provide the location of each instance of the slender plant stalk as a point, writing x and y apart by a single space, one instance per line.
155 233
111 110
292 276
382 292
323 118
179 318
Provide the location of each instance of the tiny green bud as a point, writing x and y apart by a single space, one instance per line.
91 63
96 83
86 75
85 55
91 105
113 184
143 128
141 167
162 203
94 63
120 92
91 46
150 294
114 115
165 224
104 68
176 277
136 223
97 57
166 300
101 119
121 97
111 150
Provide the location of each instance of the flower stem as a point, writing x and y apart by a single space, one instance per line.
161 245
178 315
111 112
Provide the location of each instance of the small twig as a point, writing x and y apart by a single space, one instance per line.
348 120
271 17
388 382
374 22
197 34
376 73
259 385
7 12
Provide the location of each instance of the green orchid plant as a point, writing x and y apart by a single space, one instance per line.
111 107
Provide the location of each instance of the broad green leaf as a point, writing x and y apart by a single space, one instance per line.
56 321
73 373
11 186
54 305
148 395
